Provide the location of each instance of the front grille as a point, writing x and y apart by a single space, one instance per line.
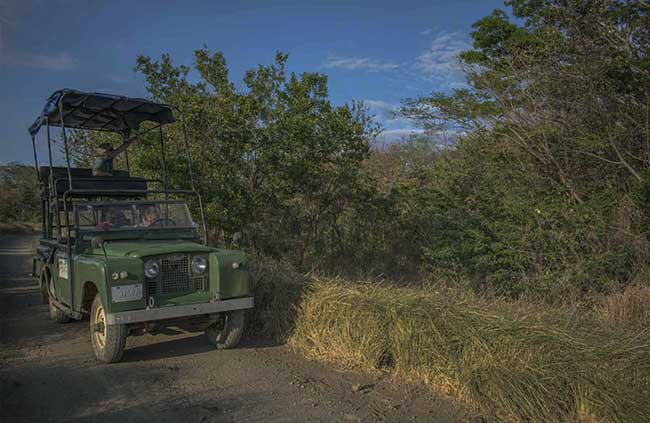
176 277
200 283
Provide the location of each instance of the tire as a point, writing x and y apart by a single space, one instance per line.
55 314
108 341
227 334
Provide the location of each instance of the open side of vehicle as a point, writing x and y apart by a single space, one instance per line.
127 256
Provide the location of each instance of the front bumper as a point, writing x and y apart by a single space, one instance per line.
173 312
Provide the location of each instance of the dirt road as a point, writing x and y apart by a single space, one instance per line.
48 373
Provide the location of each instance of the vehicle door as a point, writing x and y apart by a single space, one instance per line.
61 276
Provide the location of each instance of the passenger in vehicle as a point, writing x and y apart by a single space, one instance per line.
113 218
150 216
104 161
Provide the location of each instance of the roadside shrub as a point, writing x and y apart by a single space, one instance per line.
19 195
510 362
278 289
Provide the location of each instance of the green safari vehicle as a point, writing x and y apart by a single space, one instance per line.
128 257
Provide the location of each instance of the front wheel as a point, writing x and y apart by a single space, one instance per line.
227 333
108 340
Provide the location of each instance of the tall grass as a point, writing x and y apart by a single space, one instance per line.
508 361
630 308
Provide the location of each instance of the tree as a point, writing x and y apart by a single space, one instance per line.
549 169
274 161
19 193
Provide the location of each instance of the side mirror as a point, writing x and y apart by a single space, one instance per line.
97 242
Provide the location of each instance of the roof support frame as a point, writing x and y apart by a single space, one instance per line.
71 272
100 105
188 159
51 186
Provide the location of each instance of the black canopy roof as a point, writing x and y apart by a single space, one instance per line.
97 111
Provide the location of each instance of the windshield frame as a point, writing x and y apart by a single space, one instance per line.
137 203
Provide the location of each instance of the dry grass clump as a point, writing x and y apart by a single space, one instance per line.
347 325
509 363
630 308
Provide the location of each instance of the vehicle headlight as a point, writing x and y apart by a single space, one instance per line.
199 265
151 268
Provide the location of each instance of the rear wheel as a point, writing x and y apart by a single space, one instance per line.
108 340
55 314
227 333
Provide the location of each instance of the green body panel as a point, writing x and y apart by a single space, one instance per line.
62 285
229 282
145 248
96 265
89 270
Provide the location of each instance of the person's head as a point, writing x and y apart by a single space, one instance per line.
103 149
150 215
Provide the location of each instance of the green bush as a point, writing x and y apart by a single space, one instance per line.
19 194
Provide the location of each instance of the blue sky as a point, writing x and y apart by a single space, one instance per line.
375 51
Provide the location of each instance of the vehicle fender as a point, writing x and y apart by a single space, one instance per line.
133 268
229 274
44 270
89 269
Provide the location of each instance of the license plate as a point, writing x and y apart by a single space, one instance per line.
122 293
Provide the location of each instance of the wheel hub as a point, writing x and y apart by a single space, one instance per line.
99 327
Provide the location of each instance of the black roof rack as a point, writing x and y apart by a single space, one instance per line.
102 112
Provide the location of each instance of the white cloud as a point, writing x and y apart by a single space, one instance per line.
438 64
393 135
440 60
396 128
444 138
57 62
358 63
380 105
385 112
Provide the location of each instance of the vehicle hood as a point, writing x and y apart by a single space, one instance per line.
152 248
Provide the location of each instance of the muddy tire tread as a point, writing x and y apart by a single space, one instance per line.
115 342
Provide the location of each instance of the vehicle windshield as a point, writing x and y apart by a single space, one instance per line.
140 215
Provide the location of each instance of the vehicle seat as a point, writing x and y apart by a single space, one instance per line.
83 179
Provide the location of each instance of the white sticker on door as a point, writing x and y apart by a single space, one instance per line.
63 268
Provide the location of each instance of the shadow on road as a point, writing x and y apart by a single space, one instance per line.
193 343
